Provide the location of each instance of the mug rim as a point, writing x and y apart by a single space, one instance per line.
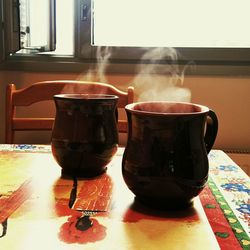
86 97
130 107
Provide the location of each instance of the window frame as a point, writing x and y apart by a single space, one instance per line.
1 33
124 60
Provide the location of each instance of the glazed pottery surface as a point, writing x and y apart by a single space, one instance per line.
165 162
85 134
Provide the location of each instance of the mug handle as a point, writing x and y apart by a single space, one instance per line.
211 130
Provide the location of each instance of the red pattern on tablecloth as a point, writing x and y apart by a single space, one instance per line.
223 231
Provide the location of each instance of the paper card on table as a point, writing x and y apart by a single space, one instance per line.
94 195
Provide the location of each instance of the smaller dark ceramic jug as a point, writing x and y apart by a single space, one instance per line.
85 134
165 162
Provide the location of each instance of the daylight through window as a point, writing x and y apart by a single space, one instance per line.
171 23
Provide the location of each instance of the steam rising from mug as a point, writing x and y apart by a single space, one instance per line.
160 79
98 74
161 82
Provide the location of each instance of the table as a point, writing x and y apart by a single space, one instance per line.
35 213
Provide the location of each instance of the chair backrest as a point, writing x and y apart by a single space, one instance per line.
43 91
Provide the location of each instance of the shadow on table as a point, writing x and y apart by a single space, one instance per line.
137 211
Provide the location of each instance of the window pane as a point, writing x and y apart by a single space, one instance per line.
171 23
64 26
24 23
34 22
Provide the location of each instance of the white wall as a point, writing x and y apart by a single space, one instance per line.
229 97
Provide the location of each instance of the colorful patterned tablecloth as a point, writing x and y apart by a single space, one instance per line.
230 187
225 199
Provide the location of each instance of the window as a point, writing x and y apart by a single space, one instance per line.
37 25
209 34
42 29
170 23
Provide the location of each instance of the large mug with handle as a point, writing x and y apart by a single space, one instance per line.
165 162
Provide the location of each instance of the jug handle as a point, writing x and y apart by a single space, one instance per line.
211 130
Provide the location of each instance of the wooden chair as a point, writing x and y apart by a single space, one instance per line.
42 91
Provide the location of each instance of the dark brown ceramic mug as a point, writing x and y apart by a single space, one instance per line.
85 134
165 162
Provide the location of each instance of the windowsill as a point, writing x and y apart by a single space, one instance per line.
53 63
